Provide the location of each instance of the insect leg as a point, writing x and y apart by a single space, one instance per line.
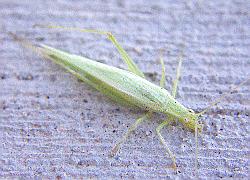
130 63
158 130
116 148
178 72
163 79
126 58
174 91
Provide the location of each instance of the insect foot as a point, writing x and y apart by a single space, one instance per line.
114 151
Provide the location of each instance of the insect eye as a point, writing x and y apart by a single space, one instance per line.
186 120
190 110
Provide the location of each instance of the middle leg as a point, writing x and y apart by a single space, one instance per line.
116 148
171 118
158 130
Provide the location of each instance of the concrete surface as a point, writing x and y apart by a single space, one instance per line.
54 126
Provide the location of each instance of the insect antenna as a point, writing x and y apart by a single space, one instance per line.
222 97
205 110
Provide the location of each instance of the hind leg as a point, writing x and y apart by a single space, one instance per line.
126 58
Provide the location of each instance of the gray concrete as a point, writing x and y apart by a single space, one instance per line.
52 125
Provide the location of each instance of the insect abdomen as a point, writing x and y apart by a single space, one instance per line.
120 85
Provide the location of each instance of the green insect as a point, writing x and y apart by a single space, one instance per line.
127 87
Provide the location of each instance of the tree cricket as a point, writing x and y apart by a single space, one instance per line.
128 87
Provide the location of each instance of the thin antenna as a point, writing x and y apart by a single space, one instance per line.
222 97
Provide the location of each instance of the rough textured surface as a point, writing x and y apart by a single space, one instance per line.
52 125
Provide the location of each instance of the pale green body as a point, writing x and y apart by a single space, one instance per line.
126 87
122 86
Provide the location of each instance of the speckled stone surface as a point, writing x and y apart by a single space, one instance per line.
54 126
